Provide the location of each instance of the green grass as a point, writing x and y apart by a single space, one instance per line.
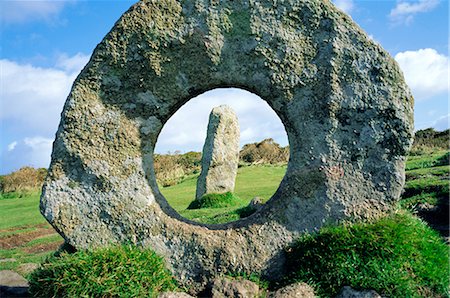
20 211
253 181
124 271
427 180
398 256
19 215
435 158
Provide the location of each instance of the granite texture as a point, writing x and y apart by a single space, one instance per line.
220 157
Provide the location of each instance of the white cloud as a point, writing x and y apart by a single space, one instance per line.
186 129
19 11
31 151
346 6
32 97
426 72
442 123
404 11
72 64
12 146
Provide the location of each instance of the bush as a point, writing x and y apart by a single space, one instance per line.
398 256
431 138
23 180
170 169
124 271
264 152
215 200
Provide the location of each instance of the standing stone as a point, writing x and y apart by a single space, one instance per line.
220 153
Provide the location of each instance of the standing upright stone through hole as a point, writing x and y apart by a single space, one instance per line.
220 153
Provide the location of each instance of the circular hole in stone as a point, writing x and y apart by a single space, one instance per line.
262 154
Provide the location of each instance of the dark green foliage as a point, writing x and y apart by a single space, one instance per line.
398 256
124 271
432 138
215 200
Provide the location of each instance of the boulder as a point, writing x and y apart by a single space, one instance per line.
347 111
234 288
297 290
220 156
12 284
349 292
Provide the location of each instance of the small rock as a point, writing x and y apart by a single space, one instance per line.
297 290
234 288
12 284
349 292
7 260
27 268
174 295
256 203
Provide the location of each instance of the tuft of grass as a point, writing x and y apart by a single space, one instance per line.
215 200
398 256
122 271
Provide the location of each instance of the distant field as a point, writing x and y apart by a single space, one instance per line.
252 181
25 235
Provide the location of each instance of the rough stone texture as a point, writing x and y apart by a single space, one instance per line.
297 290
347 112
349 292
234 288
12 284
220 156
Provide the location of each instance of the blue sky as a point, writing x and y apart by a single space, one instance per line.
45 44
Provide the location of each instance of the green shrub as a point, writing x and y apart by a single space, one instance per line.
124 271
215 200
265 152
398 256
432 138
25 179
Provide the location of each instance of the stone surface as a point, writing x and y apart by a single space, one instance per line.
220 156
234 288
12 284
297 290
349 292
174 295
7 260
256 203
347 112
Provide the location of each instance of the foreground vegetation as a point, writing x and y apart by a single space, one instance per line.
124 271
398 256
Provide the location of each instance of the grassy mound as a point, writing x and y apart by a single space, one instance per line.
398 256
124 271
215 200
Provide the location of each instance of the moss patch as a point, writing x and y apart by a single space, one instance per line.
215 200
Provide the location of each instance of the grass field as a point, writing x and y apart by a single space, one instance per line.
26 237
254 181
